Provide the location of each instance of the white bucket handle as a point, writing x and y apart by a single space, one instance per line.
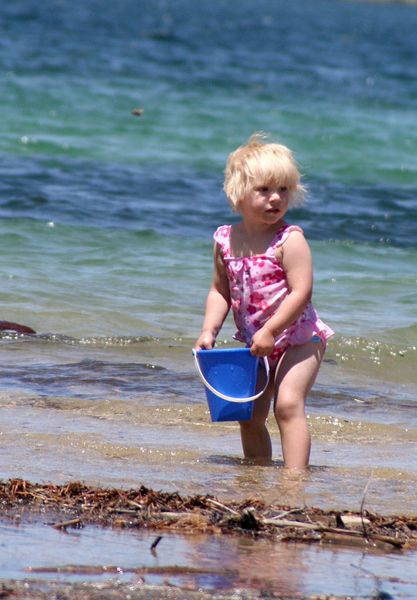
223 396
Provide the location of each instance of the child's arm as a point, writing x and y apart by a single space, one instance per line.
297 263
217 304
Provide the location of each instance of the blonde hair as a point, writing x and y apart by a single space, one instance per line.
259 163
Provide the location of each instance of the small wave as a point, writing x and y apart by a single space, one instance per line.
59 338
385 360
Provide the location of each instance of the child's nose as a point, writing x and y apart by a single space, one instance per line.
276 195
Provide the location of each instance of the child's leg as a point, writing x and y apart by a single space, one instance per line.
295 376
256 441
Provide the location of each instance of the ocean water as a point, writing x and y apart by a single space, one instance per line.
106 235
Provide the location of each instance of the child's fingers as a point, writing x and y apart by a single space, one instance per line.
204 344
256 350
260 350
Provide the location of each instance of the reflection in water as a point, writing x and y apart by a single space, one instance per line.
220 562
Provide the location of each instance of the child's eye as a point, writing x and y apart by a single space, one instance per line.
283 188
263 189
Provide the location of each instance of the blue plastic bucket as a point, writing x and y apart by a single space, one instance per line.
230 377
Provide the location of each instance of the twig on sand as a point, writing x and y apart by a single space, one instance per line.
223 507
335 531
365 492
285 513
69 523
156 542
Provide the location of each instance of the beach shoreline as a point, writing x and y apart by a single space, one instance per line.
73 506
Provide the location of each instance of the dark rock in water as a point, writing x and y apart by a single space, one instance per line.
383 596
9 326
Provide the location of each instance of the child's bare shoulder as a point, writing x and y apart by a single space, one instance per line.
295 244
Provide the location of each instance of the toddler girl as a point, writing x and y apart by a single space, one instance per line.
263 271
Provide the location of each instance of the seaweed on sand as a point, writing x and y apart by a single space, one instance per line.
75 504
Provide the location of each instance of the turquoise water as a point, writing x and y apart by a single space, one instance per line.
107 221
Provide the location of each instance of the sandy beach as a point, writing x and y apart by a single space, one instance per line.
42 590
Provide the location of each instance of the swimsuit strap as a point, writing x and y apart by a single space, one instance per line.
282 236
222 237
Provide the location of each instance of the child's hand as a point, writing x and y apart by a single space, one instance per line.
262 342
205 341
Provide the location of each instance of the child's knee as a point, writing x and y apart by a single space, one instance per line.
288 406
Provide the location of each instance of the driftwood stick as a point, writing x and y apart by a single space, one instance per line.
365 491
156 542
287 512
333 530
65 524
218 504
124 511
171 516
135 504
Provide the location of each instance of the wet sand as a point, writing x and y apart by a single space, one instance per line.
44 590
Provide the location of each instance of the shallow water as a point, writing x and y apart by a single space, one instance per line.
285 568
137 414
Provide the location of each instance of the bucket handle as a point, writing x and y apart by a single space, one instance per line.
223 396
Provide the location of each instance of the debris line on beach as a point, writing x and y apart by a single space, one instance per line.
75 504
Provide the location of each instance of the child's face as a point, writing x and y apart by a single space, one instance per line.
265 204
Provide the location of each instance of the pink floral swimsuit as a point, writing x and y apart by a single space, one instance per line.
258 285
